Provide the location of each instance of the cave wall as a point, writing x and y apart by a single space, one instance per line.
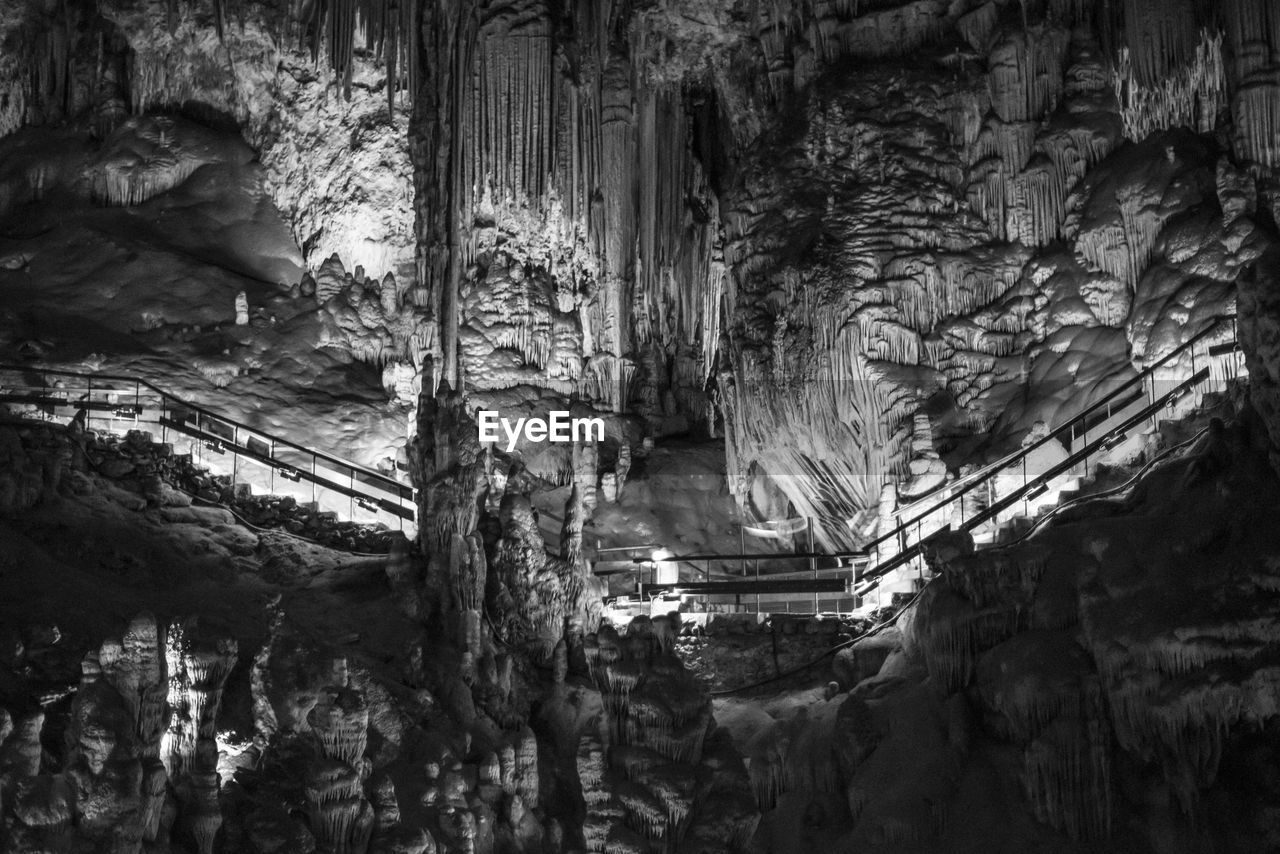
806 220
837 215
334 152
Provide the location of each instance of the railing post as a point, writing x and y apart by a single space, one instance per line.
1151 399
88 406
919 553
706 576
1025 507
1085 439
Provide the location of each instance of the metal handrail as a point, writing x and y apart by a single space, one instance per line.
872 579
991 470
365 483
204 411
1022 453
981 473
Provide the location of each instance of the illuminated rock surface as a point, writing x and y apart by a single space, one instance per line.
805 260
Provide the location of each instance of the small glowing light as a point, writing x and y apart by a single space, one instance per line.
665 570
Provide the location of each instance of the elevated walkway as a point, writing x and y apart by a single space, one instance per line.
1002 494
251 458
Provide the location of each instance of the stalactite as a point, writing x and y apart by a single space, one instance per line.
986 195
1161 35
607 380
1040 204
1011 141
1123 249
977 26
591 770
683 743
340 725
952 631
645 811
130 185
508 119
815 468
1068 777
1253 36
1189 96
1026 77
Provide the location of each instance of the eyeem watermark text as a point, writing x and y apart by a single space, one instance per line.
559 427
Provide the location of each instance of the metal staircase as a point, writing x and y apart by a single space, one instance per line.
840 581
250 457
973 503
1214 358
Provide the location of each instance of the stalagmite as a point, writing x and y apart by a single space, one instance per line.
571 531
585 456
21 750
468 569
154 788
340 816
206 815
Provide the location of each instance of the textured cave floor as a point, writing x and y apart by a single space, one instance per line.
149 290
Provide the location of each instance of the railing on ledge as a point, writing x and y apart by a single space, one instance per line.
1097 429
819 583
224 446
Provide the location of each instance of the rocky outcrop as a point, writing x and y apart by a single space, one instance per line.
139 766
652 766
1094 660
689 212
1259 333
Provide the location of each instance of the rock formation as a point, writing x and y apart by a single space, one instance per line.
852 250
